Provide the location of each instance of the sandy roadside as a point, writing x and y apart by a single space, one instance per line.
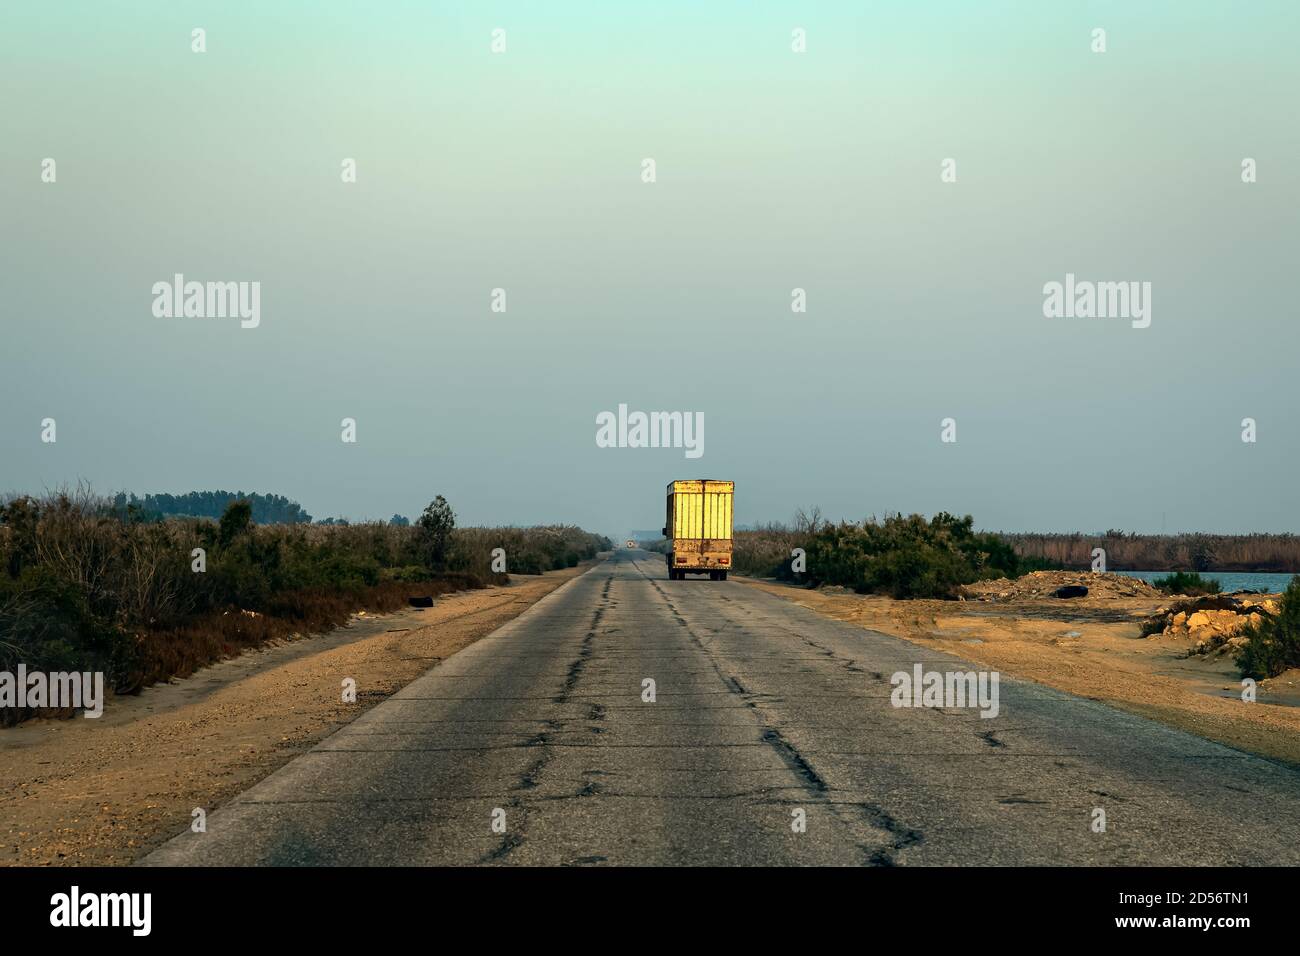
1090 648
103 792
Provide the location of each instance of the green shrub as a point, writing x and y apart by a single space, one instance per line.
235 521
1181 582
47 624
910 557
922 570
246 572
528 562
1273 645
410 573
19 518
903 556
433 530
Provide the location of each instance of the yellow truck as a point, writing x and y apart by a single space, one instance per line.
699 528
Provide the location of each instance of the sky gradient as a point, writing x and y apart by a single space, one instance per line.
775 170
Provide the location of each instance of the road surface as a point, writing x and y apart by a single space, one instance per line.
764 713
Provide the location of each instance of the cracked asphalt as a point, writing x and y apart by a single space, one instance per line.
764 712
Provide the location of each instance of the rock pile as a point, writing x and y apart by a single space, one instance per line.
1213 623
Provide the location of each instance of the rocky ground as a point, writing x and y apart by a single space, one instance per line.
1212 624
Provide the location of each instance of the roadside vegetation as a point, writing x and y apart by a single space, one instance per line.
87 583
1273 644
1185 582
901 556
912 557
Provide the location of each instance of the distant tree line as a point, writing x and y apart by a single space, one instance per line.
1176 552
267 509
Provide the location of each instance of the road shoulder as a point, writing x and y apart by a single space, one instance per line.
1107 661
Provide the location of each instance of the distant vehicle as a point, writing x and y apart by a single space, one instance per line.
631 543
699 528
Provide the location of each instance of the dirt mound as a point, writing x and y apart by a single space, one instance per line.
1213 623
1045 584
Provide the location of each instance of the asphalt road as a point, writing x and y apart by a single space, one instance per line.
762 709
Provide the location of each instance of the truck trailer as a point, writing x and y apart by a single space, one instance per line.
699 528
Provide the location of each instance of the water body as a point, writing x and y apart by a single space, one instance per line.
1270 581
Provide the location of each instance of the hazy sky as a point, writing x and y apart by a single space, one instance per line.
775 170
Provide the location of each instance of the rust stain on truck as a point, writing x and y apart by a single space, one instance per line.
699 528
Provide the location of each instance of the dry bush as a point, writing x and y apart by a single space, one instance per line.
79 543
766 552
527 550
89 585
